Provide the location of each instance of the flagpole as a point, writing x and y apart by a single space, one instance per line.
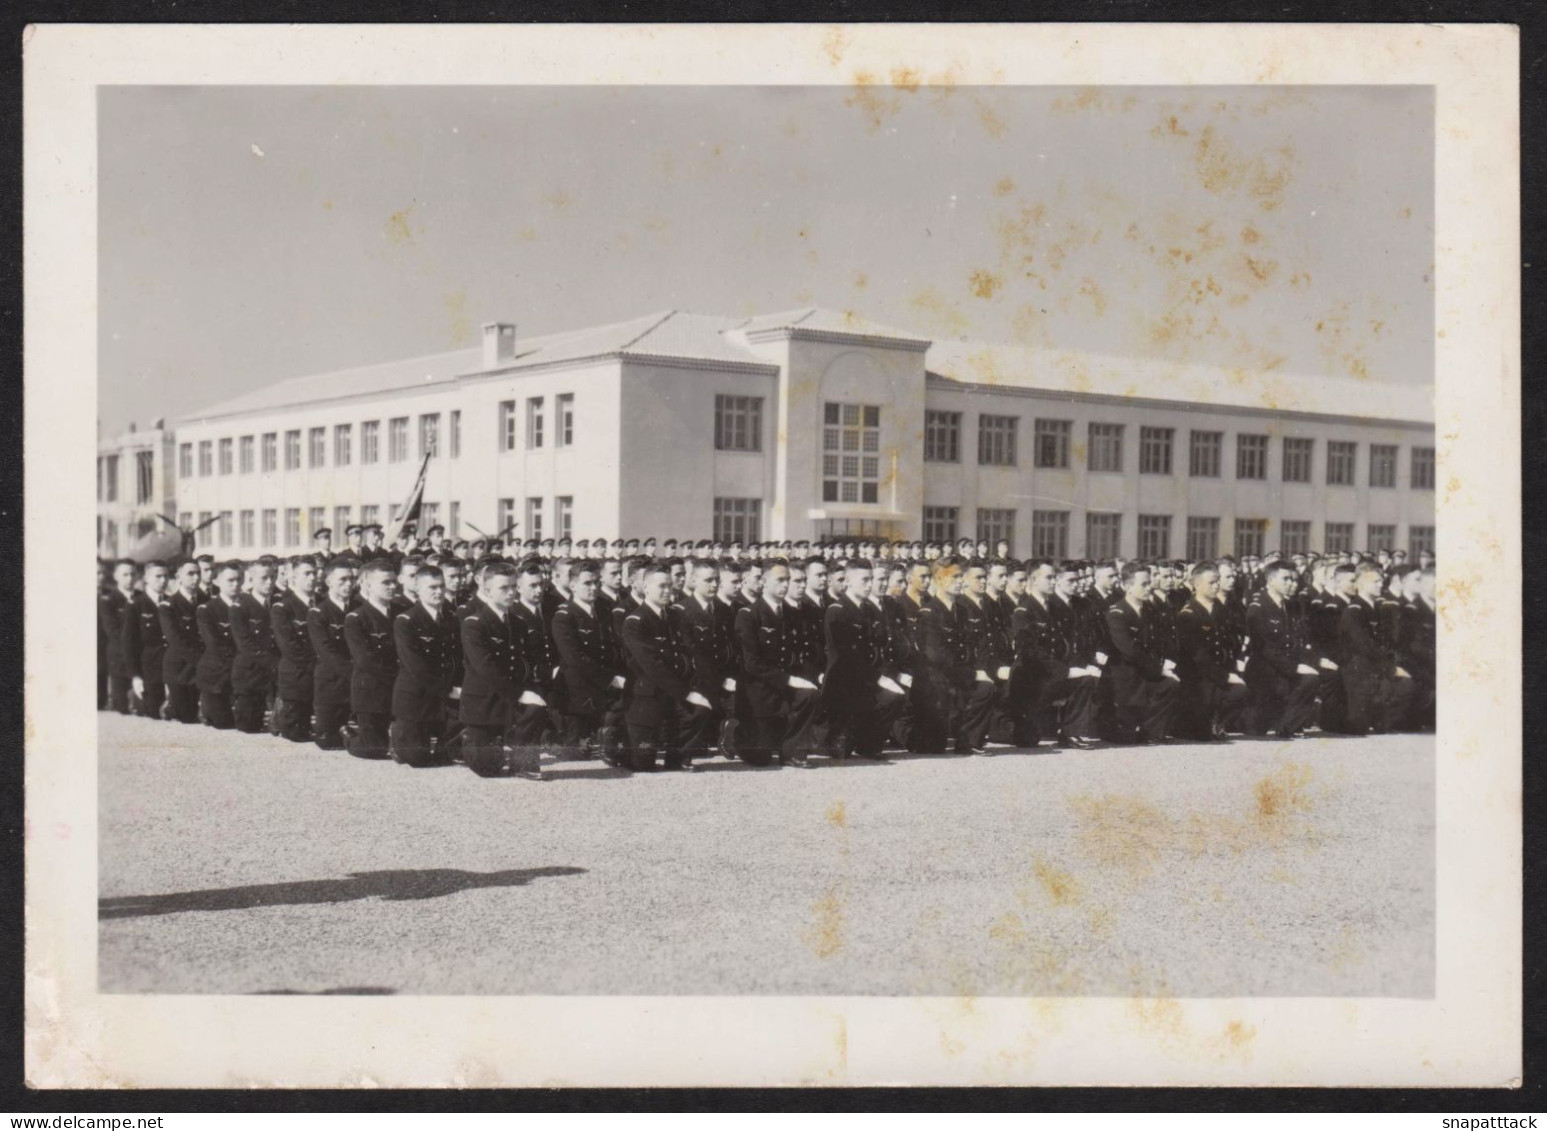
415 497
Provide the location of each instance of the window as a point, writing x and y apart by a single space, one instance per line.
370 441
144 476
534 427
534 518
185 461
369 515
939 524
1340 463
429 435
507 426
1294 537
454 522
507 516
317 448
1297 460
245 459
1203 454
224 526
1202 538
1420 540
292 450
996 440
429 515
247 528
1105 452
1337 537
1103 534
1052 443
343 445
564 406
185 519
397 439
340 524
996 525
1250 534
563 516
738 423
316 519
270 451
110 478
454 441
1382 536
1251 456
227 453
1050 534
738 520
1155 446
206 458
206 535
1383 466
1154 536
942 436
292 526
851 445
1423 469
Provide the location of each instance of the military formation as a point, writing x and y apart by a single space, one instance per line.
660 655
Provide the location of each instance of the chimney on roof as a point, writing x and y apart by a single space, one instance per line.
499 343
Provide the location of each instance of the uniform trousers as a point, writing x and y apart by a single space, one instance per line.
216 708
150 703
1203 706
248 708
502 751
118 688
783 735
975 714
860 720
331 717
371 738
1283 704
1143 707
418 742
183 702
1057 707
1377 702
295 719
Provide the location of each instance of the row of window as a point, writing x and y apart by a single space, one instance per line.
1103 534
245 531
1104 451
247 454
144 478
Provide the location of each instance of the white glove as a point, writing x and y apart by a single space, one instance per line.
1237 679
1101 658
1304 669
1240 665
907 680
802 684
1169 674
1329 665
729 684
1168 667
618 682
556 673
699 701
1093 670
1003 674
886 683
456 693
139 687
983 677
532 699
1078 673
1402 674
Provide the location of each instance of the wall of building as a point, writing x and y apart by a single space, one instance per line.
124 516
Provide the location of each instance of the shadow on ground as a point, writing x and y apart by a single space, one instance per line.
412 883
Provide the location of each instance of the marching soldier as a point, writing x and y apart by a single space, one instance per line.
782 706
180 629
428 643
295 672
663 689
255 672
368 632
333 667
219 655
1144 682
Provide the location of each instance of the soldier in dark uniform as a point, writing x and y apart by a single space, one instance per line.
503 714
859 689
542 658
295 672
989 642
902 613
104 583
1280 665
368 632
1048 698
1418 652
1212 690
782 706
112 612
207 588
1100 595
1379 689
663 688
428 641
219 655
332 666
403 591
255 672
180 629
710 639
588 663
1144 682
1325 614
322 546
952 692
144 644
1077 724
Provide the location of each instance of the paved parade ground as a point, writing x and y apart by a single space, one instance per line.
243 864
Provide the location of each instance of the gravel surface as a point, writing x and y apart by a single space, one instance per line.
242 864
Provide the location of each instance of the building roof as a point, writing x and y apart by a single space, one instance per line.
719 340
1079 373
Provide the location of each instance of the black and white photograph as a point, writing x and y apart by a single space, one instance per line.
911 537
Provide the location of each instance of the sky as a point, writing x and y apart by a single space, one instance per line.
251 234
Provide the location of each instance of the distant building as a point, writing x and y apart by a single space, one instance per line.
809 424
135 483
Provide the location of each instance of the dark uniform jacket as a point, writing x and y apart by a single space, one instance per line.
180 630
297 662
902 633
257 653
1133 656
947 650
111 608
537 645
1043 640
219 655
494 655
856 649
808 658
1324 611
1418 646
709 637
1364 652
144 644
429 653
368 633
333 665
1092 610
587 653
660 662
1279 641
1204 649
769 639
